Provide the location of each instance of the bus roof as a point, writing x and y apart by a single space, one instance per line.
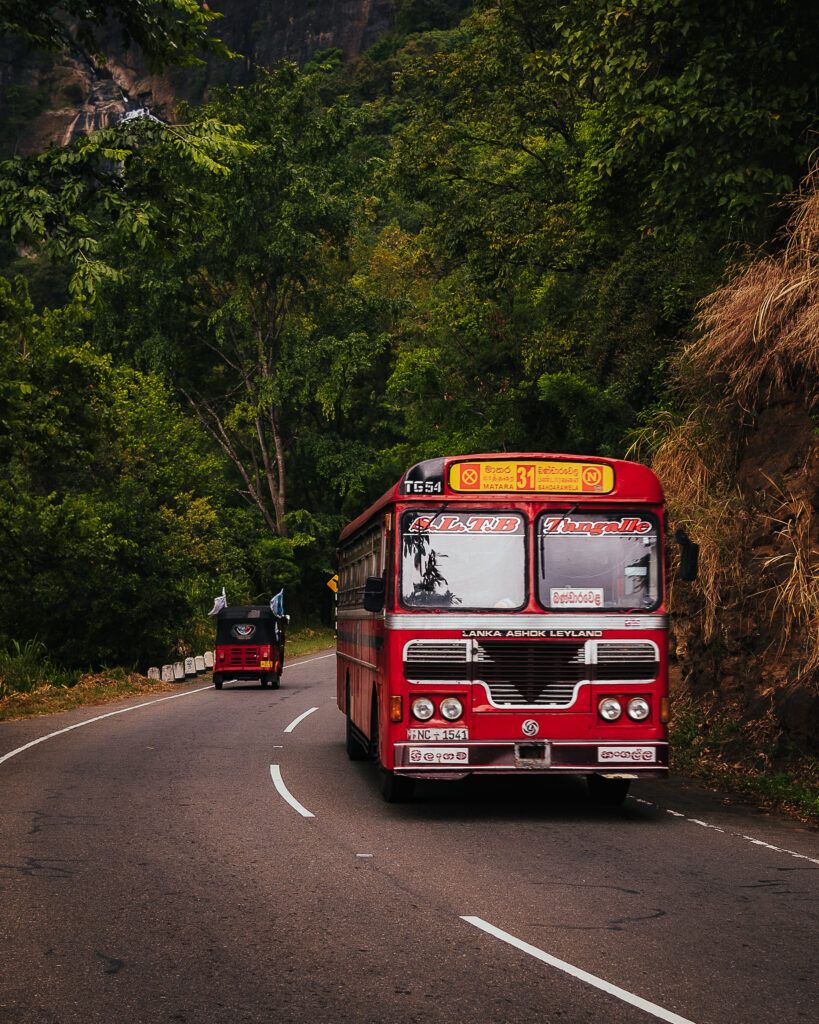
519 476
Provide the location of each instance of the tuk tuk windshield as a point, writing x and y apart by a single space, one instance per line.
246 625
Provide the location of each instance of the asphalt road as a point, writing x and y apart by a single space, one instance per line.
152 870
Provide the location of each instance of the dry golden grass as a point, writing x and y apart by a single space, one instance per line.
758 336
101 688
795 594
759 333
692 460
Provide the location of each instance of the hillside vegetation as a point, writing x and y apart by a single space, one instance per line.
538 226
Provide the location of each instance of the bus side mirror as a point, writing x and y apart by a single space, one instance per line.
689 556
374 593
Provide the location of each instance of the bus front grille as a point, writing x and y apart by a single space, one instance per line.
530 673
626 661
433 660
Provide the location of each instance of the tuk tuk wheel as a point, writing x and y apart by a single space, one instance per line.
217 681
264 682
275 681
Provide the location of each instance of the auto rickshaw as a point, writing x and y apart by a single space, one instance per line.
249 645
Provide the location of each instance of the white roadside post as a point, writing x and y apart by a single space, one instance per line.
153 672
167 674
208 660
190 667
199 662
178 671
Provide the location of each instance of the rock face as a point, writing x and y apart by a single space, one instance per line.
59 99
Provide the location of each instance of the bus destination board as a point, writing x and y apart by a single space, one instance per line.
544 476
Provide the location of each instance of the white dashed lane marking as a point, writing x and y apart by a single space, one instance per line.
576 972
300 718
285 794
735 835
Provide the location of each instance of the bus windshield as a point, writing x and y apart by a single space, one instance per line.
598 560
470 560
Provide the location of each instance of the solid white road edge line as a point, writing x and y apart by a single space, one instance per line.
99 718
576 972
736 835
321 657
285 794
301 718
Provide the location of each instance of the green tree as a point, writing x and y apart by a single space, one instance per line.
581 169
167 31
113 525
243 294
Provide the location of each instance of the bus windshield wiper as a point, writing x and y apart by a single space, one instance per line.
438 512
562 519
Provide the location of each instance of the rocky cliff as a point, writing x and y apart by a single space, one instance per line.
46 100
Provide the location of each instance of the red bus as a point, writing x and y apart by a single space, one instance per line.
506 614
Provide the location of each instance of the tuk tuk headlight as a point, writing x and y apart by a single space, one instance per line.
423 708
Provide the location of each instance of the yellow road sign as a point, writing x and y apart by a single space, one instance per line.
333 584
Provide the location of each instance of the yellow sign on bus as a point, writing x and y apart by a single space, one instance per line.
532 477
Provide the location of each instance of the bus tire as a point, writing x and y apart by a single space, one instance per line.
356 750
217 681
396 789
607 792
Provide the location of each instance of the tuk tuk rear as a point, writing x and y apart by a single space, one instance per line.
249 645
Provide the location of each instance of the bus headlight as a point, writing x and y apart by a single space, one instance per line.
609 709
638 709
451 708
423 708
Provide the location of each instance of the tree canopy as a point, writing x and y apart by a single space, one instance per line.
166 31
224 336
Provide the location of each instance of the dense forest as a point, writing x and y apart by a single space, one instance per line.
514 225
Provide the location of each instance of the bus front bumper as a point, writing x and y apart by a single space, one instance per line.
555 757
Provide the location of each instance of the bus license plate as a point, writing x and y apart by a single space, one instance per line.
626 755
438 755
437 735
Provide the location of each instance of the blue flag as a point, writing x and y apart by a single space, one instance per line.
277 604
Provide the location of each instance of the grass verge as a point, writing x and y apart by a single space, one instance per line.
309 640
711 742
96 688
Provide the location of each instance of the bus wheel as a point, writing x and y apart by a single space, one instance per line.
607 792
396 789
217 681
356 750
